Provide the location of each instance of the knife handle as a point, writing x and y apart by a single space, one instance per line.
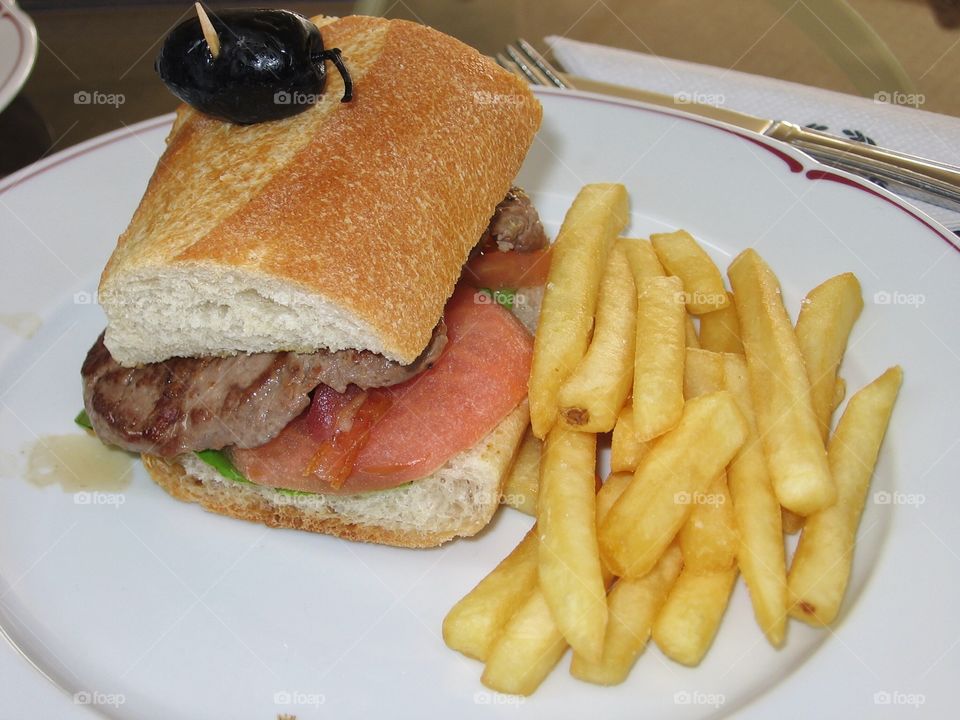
909 175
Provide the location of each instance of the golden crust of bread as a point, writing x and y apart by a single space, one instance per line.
372 205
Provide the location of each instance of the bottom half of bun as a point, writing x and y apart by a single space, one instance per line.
458 500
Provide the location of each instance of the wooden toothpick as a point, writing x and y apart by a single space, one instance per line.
209 34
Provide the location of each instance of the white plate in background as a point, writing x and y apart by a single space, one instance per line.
18 50
190 615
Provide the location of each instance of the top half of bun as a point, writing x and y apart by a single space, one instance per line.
344 226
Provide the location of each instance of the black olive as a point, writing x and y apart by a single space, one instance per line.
271 65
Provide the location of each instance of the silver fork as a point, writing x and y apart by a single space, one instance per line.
523 59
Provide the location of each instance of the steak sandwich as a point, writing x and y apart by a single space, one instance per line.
289 339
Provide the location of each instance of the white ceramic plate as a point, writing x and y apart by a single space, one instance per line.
184 614
18 50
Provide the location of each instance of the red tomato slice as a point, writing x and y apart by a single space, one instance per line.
480 377
508 270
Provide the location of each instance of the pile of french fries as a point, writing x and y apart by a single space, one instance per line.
721 443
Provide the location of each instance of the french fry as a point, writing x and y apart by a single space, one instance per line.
680 464
625 449
791 522
607 496
792 444
708 538
821 566
688 620
474 623
720 329
690 334
826 318
757 511
522 485
570 574
592 396
610 492
660 350
703 373
839 392
642 258
579 255
644 264
526 651
702 282
633 606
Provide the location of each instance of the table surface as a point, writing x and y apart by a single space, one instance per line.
110 48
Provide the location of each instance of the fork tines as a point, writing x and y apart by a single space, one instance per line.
524 60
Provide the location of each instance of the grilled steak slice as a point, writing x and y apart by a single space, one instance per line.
515 225
366 369
185 404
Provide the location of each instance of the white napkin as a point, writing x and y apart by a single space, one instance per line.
890 121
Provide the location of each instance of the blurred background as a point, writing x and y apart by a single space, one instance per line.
87 46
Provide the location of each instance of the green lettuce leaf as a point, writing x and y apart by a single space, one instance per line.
219 461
